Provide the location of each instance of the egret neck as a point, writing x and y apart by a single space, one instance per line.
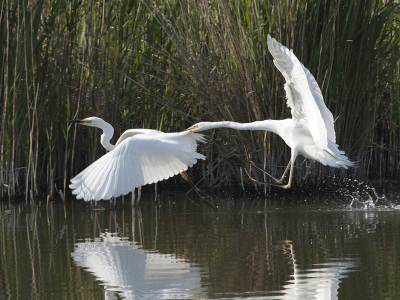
268 125
108 132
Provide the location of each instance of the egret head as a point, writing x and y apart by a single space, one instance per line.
91 121
199 126
108 130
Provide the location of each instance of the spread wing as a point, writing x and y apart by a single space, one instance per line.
303 94
136 161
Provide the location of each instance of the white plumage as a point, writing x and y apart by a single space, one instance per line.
310 132
301 87
140 157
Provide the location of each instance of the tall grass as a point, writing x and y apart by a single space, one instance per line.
168 64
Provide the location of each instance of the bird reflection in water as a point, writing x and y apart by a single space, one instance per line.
319 282
133 273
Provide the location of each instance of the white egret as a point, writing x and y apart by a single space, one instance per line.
310 132
140 156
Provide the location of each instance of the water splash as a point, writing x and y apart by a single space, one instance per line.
365 197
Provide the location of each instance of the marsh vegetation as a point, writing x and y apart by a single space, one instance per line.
168 64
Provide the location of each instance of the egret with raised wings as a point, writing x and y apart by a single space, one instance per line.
140 156
310 132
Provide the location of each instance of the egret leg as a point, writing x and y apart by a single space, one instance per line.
194 187
290 176
291 164
197 190
261 182
284 173
278 181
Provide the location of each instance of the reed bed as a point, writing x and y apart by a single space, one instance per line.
168 64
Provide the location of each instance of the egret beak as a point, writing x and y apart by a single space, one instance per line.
191 128
79 121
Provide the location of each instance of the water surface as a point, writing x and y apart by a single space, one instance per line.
280 247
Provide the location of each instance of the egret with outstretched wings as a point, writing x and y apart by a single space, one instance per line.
310 132
140 157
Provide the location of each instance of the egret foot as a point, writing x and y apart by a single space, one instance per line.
287 186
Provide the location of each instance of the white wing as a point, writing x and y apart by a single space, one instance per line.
138 160
325 112
303 94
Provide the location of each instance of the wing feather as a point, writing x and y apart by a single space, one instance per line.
303 94
319 99
138 160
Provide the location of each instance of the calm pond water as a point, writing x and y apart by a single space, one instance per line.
175 248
